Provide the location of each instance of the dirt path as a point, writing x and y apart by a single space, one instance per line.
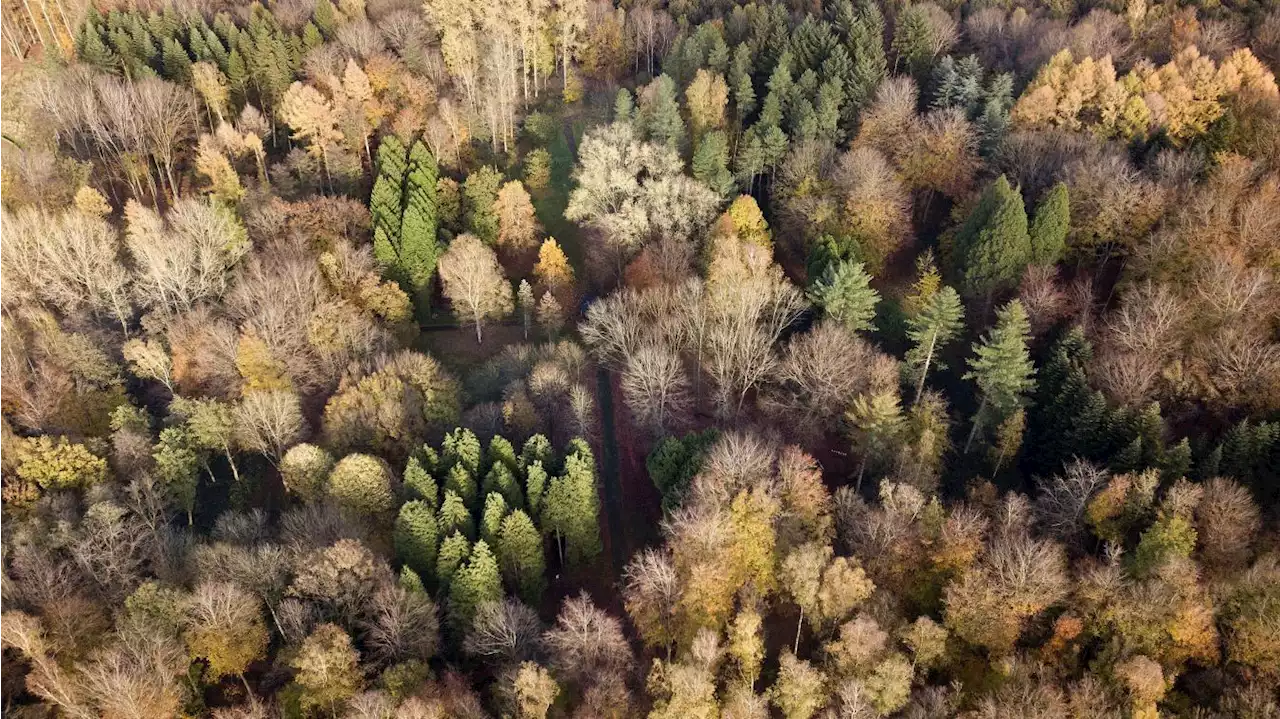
609 471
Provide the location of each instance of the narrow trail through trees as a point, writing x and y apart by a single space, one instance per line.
609 479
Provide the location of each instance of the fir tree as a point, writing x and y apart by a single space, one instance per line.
537 449
417 538
501 451
571 511
1068 418
453 552
519 550
480 191
623 106
462 447
659 115
419 484
743 92
535 487
711 162
325 18
385 202
502 480
454 516
992 245
936 319
495 509
1048 231
865 40
845 295
177 63
476 582
1002 368
419 249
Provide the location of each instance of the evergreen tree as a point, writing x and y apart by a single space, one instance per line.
419 250
325 18
479 192
385 202
1068 418
311 37
537 448
501 451
711 162
1048 231
623 106
740 87
865 40
1002 368
177 63
417 538
912 40
659 116
453 553
502 480
877 423
845 295
937 318
462 447
495 509
519 550
535 487
571 511
992 245
419 484
454 516
237 76
476 582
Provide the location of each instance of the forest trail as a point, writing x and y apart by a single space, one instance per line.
609 479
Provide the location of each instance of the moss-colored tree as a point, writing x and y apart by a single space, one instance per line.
417 538
1049 227
476 582
362 482
519 552
328 670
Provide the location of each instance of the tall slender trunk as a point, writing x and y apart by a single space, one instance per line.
924 371
799 625
235 472
977 422
26 4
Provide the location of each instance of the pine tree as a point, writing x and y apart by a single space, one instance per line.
743 92
992 246
419 250
1048 231
623 106
454 516
1068 418
479 192
535 486
711 162
453 553
476 582
385 202
419 484
845 295
495 509
417 538
519 550
1002 368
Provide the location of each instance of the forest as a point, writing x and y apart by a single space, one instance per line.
608 359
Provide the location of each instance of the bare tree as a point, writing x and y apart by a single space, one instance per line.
186 259
586 641
474 282
656 387
269 421
506 631
1063 498
400 625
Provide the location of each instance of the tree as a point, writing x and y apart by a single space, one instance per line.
656 387
454 550
1050 225
305 469
526 304
328 669
495 509
474 282
877 425
550 315
519 552
1002 369
517 224
537 169
710 164
59 465
934 318
705 99
312 118
505 631
479 194
419 250
586 641
992 246
658 116
552 269
268 421
844 293
570 511
535 691
475 583
419 484
362 483
800 689
455 516
225 628
211 425
417 537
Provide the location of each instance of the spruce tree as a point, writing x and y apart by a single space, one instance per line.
740 87
419 484
453 552
711 162
460 482
462 447
1048 231
519 550
845 295
537 448
419 249
865 40
571 511
992 245
454 516
495 509
177 63
385 202
476 582
502 480
501 451
1002 369
479 192
659 114
325 17
417 538
939 319
535 487
1068 417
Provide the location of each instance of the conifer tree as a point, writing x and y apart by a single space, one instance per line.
623 106
876 423
417 538
934 318
1002 368
495 509
454 516
571 511
537 448
419 484
502 480
519 550
177 63
461 482
453 552
659 114
743 92
865 40
385 202
992 246
501 451
479 192
845 295
535 487
476 582
711 162
1068 418
1048 231
419 251
462 447
325 17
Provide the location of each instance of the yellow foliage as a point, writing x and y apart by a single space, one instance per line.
553 270
260 370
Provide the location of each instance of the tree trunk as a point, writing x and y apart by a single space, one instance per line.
924 371
799 625
977 421
235 472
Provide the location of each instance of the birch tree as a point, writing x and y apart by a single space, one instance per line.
474 282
